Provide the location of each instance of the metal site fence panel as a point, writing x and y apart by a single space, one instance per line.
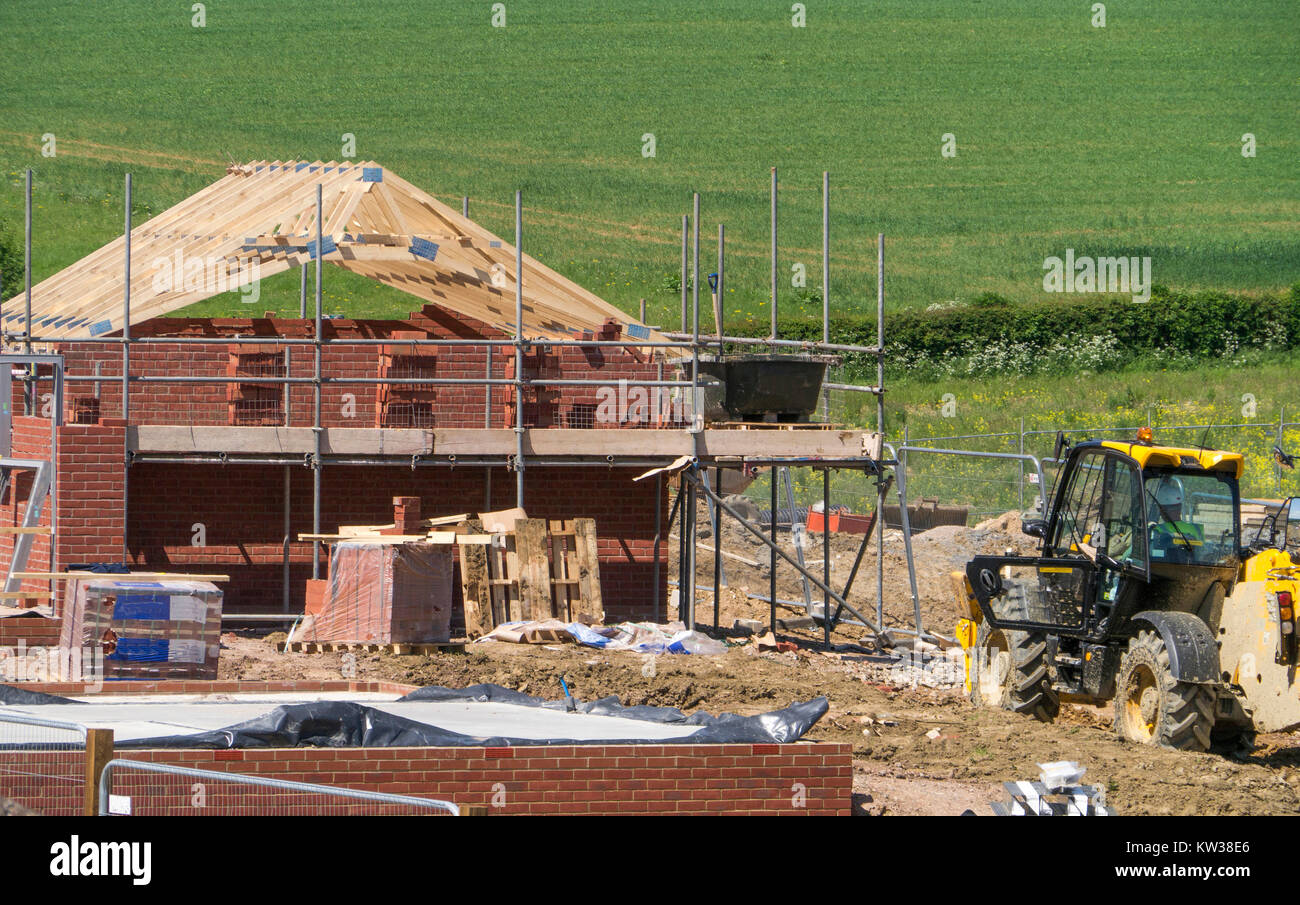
140 788
991 488
42 764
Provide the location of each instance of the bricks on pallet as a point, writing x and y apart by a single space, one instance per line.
145 629
386 593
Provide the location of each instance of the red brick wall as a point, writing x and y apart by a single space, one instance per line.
91 481
241 507
34 631
570 779
31 440
342 405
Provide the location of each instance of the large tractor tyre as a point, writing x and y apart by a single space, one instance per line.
1153 707
1009 670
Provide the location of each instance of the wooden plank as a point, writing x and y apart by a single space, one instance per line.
444 520
561 592
436 537
19 595
503 571
126 576
534 569
475 591
588 560
501 521
44 529
400 649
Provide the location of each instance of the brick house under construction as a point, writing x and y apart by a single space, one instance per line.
237 435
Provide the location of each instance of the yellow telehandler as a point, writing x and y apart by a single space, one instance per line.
1145 593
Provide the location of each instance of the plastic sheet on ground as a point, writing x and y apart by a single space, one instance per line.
638 637
14 694
346 724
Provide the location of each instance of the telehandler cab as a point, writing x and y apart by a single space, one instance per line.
1145 593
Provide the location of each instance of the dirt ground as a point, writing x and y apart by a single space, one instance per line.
898 768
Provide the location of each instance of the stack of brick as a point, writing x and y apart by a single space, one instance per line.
386 593
409 405
142 629
541 403
406 516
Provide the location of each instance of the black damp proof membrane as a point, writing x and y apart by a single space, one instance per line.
347 724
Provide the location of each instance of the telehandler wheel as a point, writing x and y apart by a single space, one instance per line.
1153 707
1009 670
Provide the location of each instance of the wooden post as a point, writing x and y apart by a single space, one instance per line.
99 751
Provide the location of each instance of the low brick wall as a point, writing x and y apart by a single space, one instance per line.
204 686
798 778
567 779
33 631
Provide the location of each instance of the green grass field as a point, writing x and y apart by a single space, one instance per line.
1117 140
1123 139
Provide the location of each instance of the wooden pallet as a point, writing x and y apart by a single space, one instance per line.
368 647
532 573
776 425
575 571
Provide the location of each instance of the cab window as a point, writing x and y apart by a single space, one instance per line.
1191 516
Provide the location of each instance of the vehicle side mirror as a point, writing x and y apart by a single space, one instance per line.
1034 527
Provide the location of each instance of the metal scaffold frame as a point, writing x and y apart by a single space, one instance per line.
691 484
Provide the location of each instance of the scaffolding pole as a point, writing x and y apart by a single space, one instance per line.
826 556
773 252
659 514
317 428
881 487
685 282
285 594
126 372
772 551
519 349
826 280
697 410
29 386
777 551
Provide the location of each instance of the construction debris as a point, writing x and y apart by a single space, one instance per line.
1055 794
638 637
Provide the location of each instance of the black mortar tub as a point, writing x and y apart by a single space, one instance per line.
761 387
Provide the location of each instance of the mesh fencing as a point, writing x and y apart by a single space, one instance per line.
138 788
991 487
43 764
